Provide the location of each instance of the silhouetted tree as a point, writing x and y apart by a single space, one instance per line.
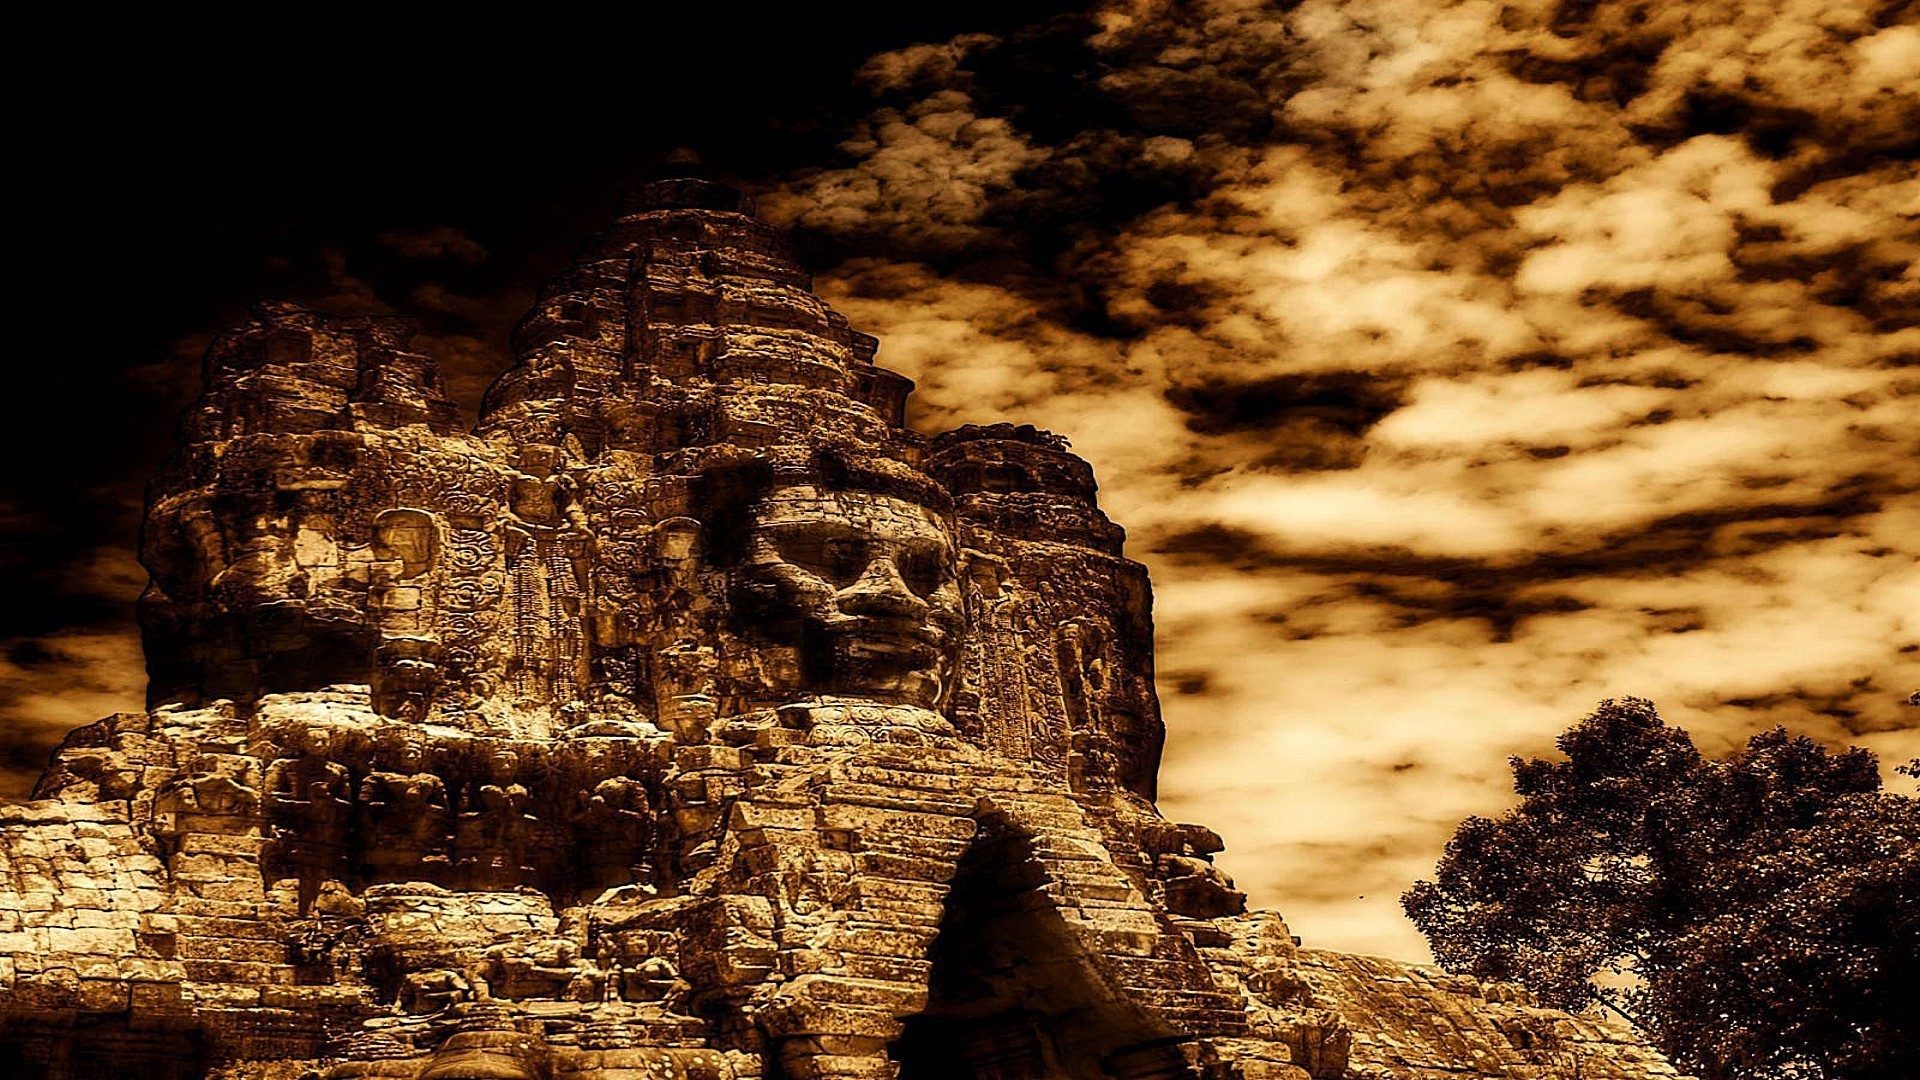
1756 917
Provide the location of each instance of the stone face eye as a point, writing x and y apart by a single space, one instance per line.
837 559
923 571
846 560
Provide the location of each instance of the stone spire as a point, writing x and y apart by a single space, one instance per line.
688 322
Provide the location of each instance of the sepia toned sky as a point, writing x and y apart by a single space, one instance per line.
1454 366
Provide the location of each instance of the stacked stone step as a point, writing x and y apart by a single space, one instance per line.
1158 963
1080 882
688 322
79 897
1419 1022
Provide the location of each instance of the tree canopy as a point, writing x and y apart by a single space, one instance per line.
1757 916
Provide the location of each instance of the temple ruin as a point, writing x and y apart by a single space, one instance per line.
691 717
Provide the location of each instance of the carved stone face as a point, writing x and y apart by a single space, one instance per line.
858 589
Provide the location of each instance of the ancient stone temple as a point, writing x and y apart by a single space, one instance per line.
691 717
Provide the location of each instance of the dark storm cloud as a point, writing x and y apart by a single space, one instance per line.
1349 402
1456 365
79 663
53 684
1849 706
467 334
1656 547
1025 144
437 242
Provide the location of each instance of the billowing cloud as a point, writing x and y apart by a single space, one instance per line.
1454 365
68 676
442 243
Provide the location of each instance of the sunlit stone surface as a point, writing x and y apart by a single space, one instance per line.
690 718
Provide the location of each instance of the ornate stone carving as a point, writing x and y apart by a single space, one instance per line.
851 592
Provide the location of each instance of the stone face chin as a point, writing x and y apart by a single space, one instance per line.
691 717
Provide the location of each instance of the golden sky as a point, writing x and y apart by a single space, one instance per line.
1514 357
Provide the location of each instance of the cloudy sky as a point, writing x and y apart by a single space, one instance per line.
1454 366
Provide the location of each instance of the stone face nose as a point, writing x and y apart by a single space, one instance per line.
882 591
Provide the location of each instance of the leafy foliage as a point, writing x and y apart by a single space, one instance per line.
1756 917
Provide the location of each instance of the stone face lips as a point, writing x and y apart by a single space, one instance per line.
691 717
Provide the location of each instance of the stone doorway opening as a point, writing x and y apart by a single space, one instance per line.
1016 991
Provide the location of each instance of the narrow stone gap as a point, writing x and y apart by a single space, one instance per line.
1014 994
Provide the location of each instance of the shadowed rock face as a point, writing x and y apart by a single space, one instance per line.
690 718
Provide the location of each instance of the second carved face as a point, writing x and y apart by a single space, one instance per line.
856 588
